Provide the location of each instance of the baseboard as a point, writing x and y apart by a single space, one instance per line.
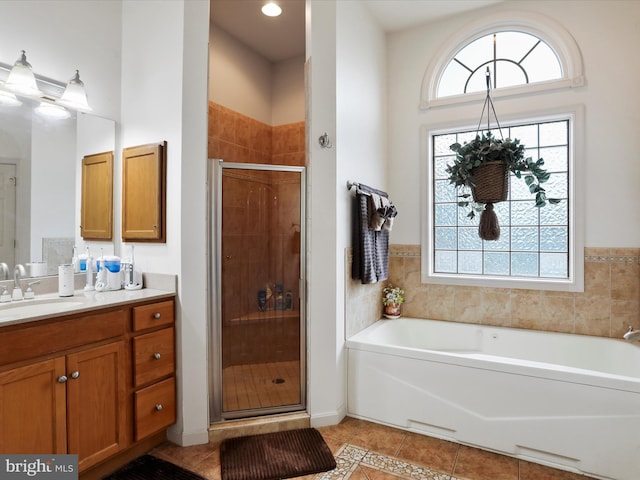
187 439
326 419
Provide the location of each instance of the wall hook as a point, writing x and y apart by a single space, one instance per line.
325 141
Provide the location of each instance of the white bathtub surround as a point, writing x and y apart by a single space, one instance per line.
568 401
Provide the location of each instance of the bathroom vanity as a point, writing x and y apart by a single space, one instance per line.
96 379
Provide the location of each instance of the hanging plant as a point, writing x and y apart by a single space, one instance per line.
483 165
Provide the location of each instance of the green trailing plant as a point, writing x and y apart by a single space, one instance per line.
392 295
486 148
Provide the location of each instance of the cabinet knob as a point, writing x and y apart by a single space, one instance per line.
159 407
62 379
156 315
75 374
156 356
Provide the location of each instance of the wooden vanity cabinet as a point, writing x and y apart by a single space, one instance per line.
153 368
68 385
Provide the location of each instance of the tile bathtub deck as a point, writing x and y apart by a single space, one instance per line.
368 451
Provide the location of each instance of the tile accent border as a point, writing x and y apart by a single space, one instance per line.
609 303
350 457
621 255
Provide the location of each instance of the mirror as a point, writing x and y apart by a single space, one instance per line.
40 169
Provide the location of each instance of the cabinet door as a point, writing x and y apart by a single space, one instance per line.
97 197
33 408
96 392
144 193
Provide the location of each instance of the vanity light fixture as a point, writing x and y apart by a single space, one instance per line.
8 99
271 9
74 95
21 83
21 78
51 110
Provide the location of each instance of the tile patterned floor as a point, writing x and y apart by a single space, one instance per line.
254 386
368 451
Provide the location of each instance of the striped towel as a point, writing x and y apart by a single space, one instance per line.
370 247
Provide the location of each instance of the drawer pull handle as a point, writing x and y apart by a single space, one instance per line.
156 356
62 379
75 374
159 407
156 315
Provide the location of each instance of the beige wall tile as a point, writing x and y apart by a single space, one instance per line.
625 283
467 305
609 304
593 316
525 310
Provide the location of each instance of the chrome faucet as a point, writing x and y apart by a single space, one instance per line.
4 271
18 272
632 335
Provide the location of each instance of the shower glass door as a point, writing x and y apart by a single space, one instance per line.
259 319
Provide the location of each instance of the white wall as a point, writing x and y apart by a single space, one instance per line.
347 100
288 92
609 96
164 97
53 183
241 78
246 82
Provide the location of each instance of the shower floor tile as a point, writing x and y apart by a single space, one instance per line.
357 444
261 385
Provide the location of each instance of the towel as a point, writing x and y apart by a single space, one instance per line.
377 206
370 247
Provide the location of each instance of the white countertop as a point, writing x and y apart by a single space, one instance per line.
49 305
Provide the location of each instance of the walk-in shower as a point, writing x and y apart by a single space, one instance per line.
256 294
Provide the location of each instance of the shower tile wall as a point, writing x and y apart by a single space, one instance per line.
260 234
609 304
237 138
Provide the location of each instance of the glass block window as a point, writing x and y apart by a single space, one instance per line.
514 58
534 242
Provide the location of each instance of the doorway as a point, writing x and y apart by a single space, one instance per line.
8 224
258 334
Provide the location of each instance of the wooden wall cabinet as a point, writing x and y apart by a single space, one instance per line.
97 197
144 193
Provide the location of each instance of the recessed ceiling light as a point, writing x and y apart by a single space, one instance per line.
271 9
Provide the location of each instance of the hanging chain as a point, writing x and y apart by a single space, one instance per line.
489 101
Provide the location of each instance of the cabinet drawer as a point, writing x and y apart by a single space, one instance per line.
153 356
37 339
155 408
153 315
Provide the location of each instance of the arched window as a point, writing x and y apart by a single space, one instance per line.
514 58
526 53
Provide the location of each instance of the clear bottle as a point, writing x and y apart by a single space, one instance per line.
279 301
288 300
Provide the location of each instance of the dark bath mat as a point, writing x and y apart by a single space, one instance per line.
271 456
148 467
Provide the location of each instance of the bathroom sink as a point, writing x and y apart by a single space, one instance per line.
37 307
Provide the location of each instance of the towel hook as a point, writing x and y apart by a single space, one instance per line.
325 141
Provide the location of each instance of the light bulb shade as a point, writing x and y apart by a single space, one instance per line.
8 99
74 95
50 110
21 79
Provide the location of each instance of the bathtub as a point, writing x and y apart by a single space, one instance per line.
568 401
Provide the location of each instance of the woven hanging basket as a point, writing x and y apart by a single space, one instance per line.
492 182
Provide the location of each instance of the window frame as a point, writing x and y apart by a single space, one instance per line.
545 28
575 280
